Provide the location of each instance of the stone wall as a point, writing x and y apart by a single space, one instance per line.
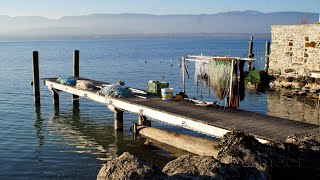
295 50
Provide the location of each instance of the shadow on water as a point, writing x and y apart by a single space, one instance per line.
99 138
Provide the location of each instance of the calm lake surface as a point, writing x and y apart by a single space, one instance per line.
72 143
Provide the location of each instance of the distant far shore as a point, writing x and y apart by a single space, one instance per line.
138 36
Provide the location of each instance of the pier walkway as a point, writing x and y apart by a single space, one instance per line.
213 121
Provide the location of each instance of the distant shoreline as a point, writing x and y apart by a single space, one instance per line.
138 36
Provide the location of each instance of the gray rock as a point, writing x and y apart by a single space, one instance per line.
245 150
128 166
237 147
307 141
201 167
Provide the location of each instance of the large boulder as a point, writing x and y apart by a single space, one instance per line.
201 167
243 149
240 148
128 166
307 142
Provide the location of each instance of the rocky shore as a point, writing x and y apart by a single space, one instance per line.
240 156
302 86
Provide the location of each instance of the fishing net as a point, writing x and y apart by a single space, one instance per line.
67 80
85 85
201 76
219 74
116 91
214 75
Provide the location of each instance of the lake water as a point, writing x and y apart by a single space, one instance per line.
72 143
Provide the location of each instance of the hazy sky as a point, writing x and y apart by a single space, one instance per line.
58 8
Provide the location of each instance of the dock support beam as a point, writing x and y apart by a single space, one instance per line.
35 76
118 120
250 53
118 117
76 57
266 66
143 121
55 97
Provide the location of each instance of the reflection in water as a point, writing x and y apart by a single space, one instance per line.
77 133
295 108
95 135
38 124
75 110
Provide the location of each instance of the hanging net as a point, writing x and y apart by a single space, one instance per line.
213 75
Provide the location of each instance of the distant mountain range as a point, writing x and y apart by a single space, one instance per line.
233 23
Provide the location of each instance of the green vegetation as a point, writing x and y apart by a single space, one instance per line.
253 77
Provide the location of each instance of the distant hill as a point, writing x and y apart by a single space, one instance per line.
233 23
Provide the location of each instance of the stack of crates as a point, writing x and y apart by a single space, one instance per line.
154 87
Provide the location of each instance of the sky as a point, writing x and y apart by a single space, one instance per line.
57 8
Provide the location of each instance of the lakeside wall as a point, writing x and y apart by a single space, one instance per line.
295 50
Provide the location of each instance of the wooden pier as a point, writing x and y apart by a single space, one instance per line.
212 121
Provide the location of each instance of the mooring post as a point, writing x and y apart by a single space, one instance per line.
76 57
35 76
266 66
250 53
118 120
241 81
183 66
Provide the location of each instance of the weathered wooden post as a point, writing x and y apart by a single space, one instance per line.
143 121
118 120
76 73
241 81
250 53
118 117
55 97
183 66
35 77
234 86
266 66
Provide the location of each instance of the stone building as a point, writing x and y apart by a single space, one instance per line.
295 50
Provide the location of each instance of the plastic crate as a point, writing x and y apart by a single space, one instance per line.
154 87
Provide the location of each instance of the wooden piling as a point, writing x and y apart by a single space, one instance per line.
55 97
250 53
118 120
35 76
76 71
266 66
183 66
118 117
234 86
241 81
143 121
